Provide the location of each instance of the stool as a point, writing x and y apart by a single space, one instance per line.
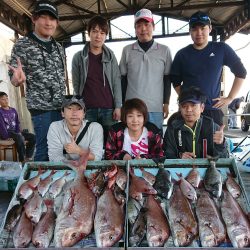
8 145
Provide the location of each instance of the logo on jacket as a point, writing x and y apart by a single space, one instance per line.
212 54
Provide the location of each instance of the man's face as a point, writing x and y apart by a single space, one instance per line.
4 101
191 112
45 25
74 115
97 37
144 30
200 34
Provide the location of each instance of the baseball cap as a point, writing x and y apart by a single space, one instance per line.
73 99
192 94
199 17
144 14
46 6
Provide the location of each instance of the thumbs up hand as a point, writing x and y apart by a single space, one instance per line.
218 137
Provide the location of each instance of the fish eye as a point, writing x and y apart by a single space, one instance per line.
160 238
73 236
111 237
246 239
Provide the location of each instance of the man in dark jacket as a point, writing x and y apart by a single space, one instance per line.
191 135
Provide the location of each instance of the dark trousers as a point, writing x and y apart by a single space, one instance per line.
216 114
20 138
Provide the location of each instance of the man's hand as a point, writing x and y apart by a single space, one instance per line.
222 101
218 136
72 147
165 110
18 77
117 114
187 155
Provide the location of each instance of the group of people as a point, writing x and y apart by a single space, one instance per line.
135 92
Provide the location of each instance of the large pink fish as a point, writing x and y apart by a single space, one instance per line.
237 223
76 217
109 220
23 232
212 231
43 232
182 222
156 222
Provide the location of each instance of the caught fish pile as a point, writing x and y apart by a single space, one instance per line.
200 209
59 208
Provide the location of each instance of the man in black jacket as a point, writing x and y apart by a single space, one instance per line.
191 135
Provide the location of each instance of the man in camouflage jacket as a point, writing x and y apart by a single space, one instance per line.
38 60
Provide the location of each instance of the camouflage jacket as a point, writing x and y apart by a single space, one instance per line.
45 73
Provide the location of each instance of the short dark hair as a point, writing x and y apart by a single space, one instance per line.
98 21
192 93
3 94
131 104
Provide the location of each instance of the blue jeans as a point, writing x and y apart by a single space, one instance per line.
156 118
102 116
41 125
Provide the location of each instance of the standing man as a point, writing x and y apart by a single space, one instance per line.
232 108
145 66
10 128
74 135
38 60
200 64
96 77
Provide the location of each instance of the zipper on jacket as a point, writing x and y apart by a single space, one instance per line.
193 135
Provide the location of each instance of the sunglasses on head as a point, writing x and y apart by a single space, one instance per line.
69 97
199 18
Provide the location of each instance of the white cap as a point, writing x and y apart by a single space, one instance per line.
144 14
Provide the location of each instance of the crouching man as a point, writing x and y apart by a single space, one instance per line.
73 136
191 135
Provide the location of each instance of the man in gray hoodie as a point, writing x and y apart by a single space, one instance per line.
96 76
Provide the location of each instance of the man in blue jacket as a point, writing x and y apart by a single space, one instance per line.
200 64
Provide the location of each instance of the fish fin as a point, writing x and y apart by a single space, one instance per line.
179 175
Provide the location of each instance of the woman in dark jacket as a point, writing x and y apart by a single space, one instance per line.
134 137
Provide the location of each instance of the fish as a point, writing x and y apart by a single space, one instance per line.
163 183
13 217
150 178
232 186
34 207
133 209
138 230
23 232
98 183
57 186
212 231
186 188
24 191
45 183
237 223
139 186
109 220
182 221
120 195
43 232
194 177
213 180
76 216
158 230
121 178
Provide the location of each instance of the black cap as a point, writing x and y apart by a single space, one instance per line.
46 6
191 94
199 17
